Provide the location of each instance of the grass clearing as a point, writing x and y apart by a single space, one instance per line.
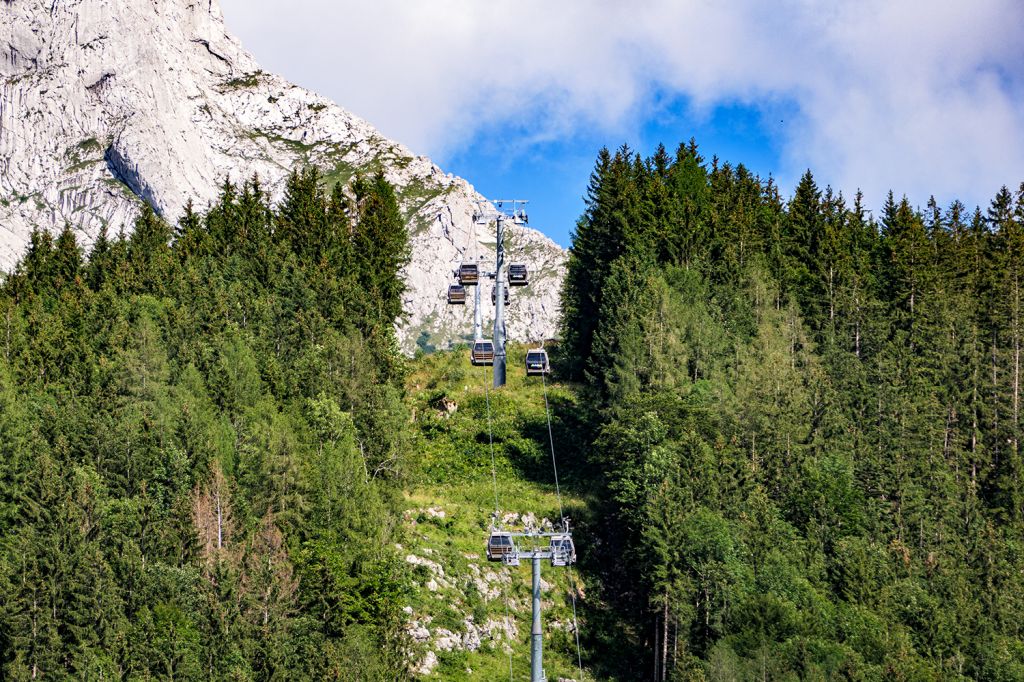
449 510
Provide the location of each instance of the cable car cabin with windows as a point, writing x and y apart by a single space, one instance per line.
456 295
500 545
537 362
518 275
469 274
494 296
482 353
563 551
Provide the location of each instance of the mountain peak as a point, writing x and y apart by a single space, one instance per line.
104 106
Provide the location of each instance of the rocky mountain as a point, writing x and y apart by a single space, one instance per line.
105 104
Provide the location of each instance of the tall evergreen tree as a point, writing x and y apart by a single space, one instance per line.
380 247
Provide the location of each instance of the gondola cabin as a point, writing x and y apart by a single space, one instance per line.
482 353
456 295
563 551
518 276
537 362
494 296
469 274
500 546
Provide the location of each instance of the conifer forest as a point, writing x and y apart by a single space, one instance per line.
806 423
789 428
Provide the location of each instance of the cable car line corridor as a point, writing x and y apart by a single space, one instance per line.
482 449
502 546
516 537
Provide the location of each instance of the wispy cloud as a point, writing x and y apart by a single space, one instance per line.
919 97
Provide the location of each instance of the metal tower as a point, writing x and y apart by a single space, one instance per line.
497 211
556 547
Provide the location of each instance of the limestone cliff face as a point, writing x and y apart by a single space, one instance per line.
108 103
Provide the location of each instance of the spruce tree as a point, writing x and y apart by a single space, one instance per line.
380 250
803 229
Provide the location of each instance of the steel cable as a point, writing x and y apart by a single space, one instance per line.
551 440
494 478
561 512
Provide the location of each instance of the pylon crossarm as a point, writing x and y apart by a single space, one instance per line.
539 534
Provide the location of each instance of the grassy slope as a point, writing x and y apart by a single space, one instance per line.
456 479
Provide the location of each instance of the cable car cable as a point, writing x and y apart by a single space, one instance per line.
551 440
494 478
490 437
508 628
575 621
561 512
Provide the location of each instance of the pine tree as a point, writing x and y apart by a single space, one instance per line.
620 360
67 260
149 256
99 262
302 215
1008 242
685 244
580 301
35 272
603 234
802 229
380 249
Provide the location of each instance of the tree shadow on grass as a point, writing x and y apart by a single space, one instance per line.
607 639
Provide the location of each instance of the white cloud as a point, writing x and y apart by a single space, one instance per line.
920 97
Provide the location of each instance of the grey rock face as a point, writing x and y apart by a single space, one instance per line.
105 104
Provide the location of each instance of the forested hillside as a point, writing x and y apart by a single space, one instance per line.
787 431
806 424
202 445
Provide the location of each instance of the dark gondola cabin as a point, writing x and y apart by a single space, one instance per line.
469 274
499 545
456 295
518 275
494 296
482 353
537 362
563 551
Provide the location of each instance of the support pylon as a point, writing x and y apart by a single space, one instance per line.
499 308
536 633
486 212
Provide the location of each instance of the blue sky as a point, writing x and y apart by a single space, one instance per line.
553 174
518 96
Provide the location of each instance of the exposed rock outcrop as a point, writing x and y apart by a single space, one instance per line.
105 104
